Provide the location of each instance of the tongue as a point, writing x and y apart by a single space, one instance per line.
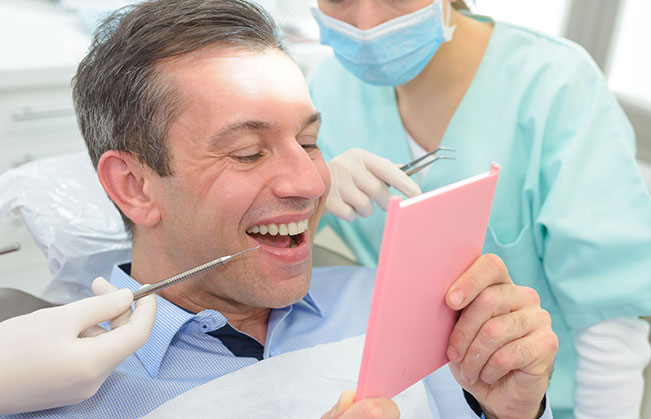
274 241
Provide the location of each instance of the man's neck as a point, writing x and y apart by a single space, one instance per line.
250 320
190 296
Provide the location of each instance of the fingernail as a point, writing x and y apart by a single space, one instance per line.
488 381
329 414
453 355
465 378
456 298
414 192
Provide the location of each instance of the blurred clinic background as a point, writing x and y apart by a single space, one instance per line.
41 42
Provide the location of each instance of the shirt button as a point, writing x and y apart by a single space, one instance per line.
204 326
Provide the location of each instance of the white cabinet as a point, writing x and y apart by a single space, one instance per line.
36 121
41 47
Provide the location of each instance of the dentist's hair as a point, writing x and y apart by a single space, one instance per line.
460 5
122 100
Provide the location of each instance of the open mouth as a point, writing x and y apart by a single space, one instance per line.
279 235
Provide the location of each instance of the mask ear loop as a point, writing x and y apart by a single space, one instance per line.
448 30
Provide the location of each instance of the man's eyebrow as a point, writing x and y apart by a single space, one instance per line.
250 125
315 117
255 125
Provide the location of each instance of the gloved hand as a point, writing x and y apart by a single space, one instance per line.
358 178
347 408
59 356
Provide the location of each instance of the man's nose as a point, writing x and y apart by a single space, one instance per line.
298 174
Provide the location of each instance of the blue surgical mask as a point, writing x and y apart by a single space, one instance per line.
392 53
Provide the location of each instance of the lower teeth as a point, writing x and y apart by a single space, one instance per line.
292 243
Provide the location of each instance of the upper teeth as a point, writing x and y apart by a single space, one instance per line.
282 229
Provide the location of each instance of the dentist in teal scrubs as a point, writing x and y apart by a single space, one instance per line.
571 215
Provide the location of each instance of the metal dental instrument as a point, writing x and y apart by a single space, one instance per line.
152 288
412 167
10 248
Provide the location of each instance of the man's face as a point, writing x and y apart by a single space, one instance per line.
245 162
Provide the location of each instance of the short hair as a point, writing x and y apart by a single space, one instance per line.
120 99
460 5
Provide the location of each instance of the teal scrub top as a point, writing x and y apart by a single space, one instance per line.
571 215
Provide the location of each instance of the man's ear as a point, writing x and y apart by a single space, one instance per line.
127 182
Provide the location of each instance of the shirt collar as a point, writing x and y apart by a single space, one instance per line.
169 319
310 302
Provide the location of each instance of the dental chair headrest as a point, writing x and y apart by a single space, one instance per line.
71 219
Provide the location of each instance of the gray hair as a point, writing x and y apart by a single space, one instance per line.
122 102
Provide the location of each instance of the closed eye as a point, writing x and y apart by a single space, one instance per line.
248 159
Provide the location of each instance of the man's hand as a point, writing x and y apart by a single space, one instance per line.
346 408
502 348
59 356
358 178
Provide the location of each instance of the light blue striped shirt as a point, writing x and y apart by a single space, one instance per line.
180 355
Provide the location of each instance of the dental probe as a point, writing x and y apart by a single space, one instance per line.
152 288
11 248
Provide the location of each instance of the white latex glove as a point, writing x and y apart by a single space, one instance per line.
359 178
59 356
